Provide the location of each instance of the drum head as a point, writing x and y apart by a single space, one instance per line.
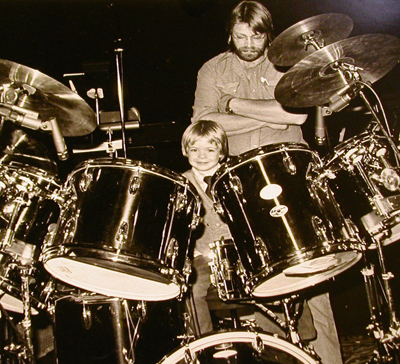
239 347
307 274
108 282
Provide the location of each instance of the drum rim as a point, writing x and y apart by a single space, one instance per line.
251 155
341 148
38 173
238 336
125 163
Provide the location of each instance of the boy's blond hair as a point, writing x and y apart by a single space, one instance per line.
208 129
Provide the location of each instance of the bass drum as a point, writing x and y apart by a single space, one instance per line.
364 174
288 230
125 230
239 347
94 329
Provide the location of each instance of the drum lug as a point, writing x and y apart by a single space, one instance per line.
180 201
289 164
261 251
134 185
69 229
187 268
122 235
235 184
85 181
258 344
189 357
172 251
195 221
319 228
218 208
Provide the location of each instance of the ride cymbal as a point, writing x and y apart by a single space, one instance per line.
307 36
324 73
31 90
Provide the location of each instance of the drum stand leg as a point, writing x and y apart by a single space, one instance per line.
13 350
387 338
119 309
26 322
292 309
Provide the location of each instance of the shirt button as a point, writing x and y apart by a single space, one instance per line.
218 224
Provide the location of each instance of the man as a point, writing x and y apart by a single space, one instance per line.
236 89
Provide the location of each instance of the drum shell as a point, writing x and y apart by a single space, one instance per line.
28 203
108 330
356 175
129 217
299 224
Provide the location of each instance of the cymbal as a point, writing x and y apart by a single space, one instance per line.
296 42
316 78
49 98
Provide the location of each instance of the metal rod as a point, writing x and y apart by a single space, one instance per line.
118 58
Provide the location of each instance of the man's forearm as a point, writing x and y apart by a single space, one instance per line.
269 111
234 124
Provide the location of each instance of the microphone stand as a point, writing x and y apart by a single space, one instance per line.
118 59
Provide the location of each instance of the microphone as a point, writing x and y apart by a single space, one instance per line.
343 97
320 134
59 141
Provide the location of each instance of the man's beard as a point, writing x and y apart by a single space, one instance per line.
249 54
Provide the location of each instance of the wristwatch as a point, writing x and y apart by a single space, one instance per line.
228 109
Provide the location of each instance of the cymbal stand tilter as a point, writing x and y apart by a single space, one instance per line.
292 309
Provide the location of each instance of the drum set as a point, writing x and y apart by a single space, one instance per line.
107 253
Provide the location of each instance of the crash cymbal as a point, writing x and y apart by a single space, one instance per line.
324 73
307 36
41 94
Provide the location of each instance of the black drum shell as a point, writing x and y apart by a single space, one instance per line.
128 217
301 223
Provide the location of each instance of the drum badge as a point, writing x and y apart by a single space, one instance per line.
279 211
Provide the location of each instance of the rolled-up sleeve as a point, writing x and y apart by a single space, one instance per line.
207 93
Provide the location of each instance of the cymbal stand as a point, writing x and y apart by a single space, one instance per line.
387 336
25 273
384 129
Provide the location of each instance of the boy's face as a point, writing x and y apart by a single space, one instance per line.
203 154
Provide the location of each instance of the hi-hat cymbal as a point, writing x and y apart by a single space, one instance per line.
316 78
49 98
307 36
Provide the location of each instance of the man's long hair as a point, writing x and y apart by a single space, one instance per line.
255 15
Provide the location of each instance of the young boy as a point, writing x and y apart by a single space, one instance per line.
205 145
